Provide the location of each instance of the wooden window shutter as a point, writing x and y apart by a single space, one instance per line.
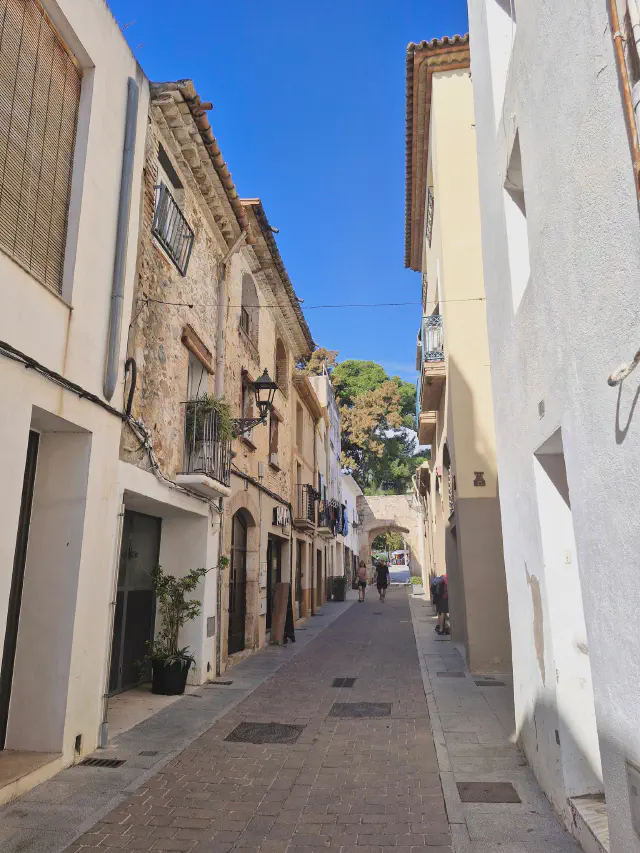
39 96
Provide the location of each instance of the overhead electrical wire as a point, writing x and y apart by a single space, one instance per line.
147 300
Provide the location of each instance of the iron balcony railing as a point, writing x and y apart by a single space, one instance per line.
171 229
432 338
305 503
205 450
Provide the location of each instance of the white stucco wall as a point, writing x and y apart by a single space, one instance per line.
576 320
69 336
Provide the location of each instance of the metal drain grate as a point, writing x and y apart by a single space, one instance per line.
361 709
453 674
102 762
265 733
218 683
148 752
488 792
343 682
486 683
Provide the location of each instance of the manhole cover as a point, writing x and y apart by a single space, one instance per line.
148 752
361 709
450 674
488 792
265 733
102 762
487 683
343 682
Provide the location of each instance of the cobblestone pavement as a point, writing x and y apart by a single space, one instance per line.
357 784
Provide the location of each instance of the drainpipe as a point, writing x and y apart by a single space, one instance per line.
122 234
222 315
219 394
627 98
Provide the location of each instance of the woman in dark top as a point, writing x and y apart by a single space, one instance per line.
382 579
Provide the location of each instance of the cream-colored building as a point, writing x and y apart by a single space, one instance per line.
69 200
454 404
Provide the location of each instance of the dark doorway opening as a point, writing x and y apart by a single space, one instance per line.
134 617
17 583
237 583
319 580
274 573
299 546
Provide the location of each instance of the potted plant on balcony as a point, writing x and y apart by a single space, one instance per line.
197 412
170 664
339 588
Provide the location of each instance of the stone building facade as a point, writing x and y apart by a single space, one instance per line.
172 502
264 329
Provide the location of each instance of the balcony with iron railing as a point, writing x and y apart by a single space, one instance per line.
207 451
304 507
171 229
430 361
328 518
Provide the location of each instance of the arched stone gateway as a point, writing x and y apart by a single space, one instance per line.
394 513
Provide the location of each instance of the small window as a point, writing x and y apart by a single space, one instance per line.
281 367
250 310
273 440
299 427
246 405
197 378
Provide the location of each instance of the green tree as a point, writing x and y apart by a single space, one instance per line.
376 413
319 361
351 378
388 541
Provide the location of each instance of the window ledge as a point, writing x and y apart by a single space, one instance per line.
274 467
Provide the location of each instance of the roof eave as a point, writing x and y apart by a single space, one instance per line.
422 60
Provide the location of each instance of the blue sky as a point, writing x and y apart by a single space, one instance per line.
309 111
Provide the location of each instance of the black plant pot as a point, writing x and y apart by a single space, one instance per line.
340 591
171 679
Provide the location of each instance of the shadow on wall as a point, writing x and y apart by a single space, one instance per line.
571 782
475 558
622 431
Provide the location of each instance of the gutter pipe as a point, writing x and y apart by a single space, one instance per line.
122 234
222 315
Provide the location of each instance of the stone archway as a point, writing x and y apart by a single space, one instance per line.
393 513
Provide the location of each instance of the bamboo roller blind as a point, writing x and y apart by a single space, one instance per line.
39 96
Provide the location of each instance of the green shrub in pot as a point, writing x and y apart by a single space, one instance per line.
170 663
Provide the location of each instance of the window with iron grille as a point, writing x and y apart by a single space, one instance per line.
430 205
39 95
171 229
244 320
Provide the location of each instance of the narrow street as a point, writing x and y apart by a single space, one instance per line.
348 769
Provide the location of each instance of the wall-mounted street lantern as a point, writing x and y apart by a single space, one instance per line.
265 390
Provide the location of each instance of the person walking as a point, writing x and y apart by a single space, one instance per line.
362 580
382 579
440 592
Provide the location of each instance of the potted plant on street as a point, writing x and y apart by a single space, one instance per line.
416 585
170 664
339 589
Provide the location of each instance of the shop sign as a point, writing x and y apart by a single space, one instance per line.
281 516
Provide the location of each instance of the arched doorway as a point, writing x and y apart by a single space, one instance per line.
238 582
